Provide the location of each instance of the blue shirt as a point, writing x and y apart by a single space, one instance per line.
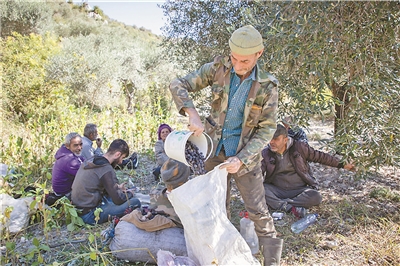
232 128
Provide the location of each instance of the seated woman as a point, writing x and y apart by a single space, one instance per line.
161 156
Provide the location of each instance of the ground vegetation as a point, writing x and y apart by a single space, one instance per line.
63 67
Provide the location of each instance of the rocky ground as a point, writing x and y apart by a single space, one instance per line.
358 223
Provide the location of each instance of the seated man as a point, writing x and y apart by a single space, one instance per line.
294 131
96 186
130 163
289 184
68 161
173 174
89 135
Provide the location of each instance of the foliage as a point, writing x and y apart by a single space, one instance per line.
30 150
24 17
97 10
382 193
354 58
195 34
117 77
349 48
62 212
24 93
94 77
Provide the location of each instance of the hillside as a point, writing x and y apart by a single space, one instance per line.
65 65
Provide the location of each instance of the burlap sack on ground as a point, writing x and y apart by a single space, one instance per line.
136 245
159 222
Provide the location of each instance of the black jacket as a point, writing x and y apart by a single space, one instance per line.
300 154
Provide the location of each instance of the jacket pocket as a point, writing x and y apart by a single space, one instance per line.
254 116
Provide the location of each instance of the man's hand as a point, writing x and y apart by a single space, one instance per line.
350 167
125 190
195 124
99 141
233 165
122 186
131 190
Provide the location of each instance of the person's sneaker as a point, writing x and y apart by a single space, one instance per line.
299 212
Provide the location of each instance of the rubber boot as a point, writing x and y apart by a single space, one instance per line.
271 249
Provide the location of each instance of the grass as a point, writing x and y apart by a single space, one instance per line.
385 193
350 231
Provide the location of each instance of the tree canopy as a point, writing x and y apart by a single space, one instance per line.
341 57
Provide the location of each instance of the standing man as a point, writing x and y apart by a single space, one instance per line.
242 120
68 160
96 186
89 135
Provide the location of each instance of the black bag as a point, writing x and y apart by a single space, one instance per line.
51 198
129 163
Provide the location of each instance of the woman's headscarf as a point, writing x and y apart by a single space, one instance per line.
161 127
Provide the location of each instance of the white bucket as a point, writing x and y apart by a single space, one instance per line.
175 145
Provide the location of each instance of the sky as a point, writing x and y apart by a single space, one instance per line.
143 13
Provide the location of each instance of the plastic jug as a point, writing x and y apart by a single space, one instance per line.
248 232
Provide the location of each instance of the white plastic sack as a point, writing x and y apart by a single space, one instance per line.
20 214
135 245
210 237
168 259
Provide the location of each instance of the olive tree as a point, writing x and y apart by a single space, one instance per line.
24 84
340 56
24 17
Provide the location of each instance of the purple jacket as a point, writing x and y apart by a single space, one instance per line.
64 170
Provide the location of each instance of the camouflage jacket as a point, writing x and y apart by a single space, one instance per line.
259 120
159 202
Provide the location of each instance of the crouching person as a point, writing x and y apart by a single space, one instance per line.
96 186
173 174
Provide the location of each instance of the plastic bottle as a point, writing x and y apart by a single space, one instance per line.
304 222
248 232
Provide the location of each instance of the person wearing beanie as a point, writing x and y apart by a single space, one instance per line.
161 157
289 184
174 174
243 113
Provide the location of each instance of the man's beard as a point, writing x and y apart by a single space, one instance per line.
242 72
115 162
